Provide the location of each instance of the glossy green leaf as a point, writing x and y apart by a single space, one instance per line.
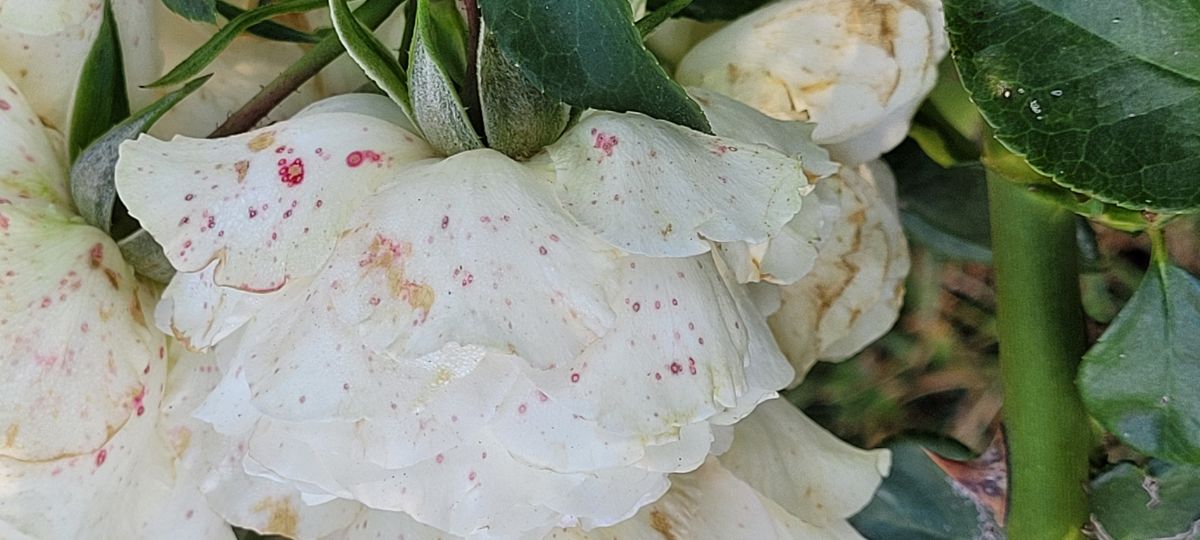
714 10
1160 502
1140 379
587 53
918 501
267 29
92 184
100 99
1103 96
203 56
518 118
379 64
944 208
194 10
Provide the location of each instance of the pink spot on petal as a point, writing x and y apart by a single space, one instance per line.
604 142
101 456
292 173
522 408
440 458
4 105
574 377
354 158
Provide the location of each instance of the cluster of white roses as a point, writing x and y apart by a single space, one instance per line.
366 339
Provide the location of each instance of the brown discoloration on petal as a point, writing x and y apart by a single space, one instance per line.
661 523
281 517
261 141
10 435
242 167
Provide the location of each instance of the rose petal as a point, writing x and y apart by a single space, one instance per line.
846 280
879 317
268 204
654 188
74 337
794 462
45 52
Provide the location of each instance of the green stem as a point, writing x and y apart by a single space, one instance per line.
1042 338
372 13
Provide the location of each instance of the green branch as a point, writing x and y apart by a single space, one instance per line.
371 14
1042 338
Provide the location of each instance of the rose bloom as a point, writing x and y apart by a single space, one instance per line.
857 68
398 341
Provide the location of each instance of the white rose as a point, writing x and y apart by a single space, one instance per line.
80 453
491 347
858 68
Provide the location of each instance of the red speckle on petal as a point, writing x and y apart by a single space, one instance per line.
141 410
522 408
676 368
101 456
253 213
542 396
189 197
574 377
3 222
445 221
604 142
440 458
691 365
96 255
292 173
354 158
542 250
637 306
4 105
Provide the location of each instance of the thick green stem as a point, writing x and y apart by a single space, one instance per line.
372 13
1042 338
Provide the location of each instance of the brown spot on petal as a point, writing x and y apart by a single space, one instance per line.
242 167
10 435
662 524
261 141
281 517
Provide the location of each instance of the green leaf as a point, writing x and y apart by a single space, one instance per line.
587 53
100 100
379 64
1140 379
918 501
144 254
1103 96
194 10
267 29
944 208
1159 502
92 184
437 108
519 119
714 10
203 56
